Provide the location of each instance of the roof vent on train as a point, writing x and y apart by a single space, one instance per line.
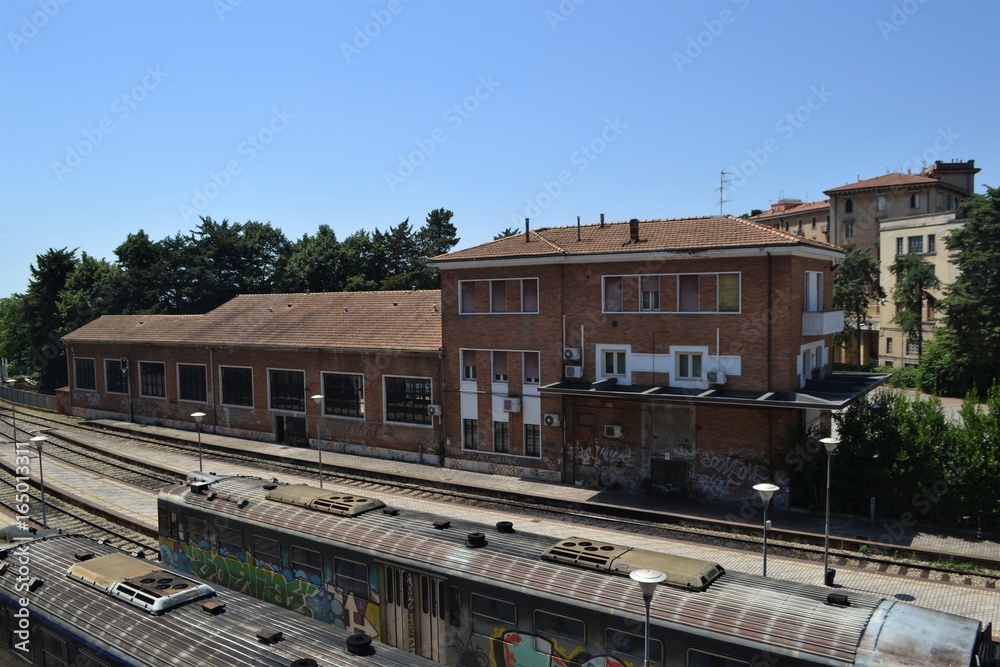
304 662
138 582
331 502
359 644
681 571
505 527
476 540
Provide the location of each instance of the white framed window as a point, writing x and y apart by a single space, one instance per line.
689 366
931 243
613 302
498 296
915 244
152 379
467 296
881 203
237 385
500 366
612 362
849 229
469 371
814 292
915 200
86 373
286 389
649 290
899 246
530 365
529 295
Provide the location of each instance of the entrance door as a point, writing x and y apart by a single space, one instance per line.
413 608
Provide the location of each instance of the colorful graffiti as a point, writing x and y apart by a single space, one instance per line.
515 649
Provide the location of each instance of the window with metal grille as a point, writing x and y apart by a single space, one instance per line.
351 577
191 384
912 347
470 434
152 379
288 390
86 375
406 400
490 615
237 386
532 440
915 243
344 394
115 382
501 437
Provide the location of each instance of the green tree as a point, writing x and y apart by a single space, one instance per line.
42 318
915 278
89 292
855 286
313 264
510 231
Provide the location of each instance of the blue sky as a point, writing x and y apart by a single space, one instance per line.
117 116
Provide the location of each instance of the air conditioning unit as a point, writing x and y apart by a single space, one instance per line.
512 405
571 354
612 431
552 420
716 377
823 229
434 410
574 372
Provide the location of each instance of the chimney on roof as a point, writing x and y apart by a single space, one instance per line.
527 230
633 230
577 228
602 221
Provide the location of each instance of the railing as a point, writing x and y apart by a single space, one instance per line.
821 323
30 398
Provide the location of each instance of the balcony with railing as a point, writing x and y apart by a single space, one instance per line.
822 322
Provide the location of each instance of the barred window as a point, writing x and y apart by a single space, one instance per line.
191 383
152 379
288 390
532 440
406 400
501 437
115 382
237 386
470 434
344 394
86 375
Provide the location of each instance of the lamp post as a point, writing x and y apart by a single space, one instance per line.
318 398
38 440
198 416
647 580
765 490
831 446
13 411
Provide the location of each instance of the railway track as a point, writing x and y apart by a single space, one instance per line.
710 533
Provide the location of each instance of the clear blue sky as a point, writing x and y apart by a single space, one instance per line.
120 116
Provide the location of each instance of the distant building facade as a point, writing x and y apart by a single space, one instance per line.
810 220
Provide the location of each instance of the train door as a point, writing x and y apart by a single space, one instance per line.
413 611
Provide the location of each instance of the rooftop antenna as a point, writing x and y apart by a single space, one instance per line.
722 188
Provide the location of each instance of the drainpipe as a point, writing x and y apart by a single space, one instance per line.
211 375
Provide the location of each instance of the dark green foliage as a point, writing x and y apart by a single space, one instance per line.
855 286
510 231
900 378
915 278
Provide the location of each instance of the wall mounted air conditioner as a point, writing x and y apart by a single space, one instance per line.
612 431
716 377
575 372
434 410
823 229
571 354
512 405
552 420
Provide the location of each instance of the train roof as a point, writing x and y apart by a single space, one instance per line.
762 612
71 581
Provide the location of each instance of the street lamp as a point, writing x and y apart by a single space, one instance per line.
831 446
13 411
647 580
765 490
38 440
198 416
318 398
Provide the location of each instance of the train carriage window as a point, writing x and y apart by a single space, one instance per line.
168 522
488 614
621 644
351 577
565 634
307 562
455 607
197 532
230 541
267 552
696 658
55 652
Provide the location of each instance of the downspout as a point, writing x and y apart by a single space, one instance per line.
770 317
211 375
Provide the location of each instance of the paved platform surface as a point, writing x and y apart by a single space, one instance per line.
954 597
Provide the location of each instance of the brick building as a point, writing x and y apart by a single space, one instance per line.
811 220
682 355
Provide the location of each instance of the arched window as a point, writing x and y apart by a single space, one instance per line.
849 206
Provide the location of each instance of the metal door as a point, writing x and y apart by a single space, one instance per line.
413 610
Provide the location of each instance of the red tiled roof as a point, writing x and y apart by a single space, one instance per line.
675 235
405 320
794 210
887 181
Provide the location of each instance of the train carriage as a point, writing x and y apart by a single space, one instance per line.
461 593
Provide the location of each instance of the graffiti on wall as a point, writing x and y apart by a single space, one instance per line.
724 475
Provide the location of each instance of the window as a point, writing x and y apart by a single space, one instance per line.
899 246
915 244
351 577
729 292
814 222
469 365
86 374
529 363
470 434
115 382
191 385
237 386
196 532
11 639
344 394
529 295
168 523
532 440
306 564
267 552
288 390
499 366
688 365
569 633
490 615
613 294
152 379
621 643
649 287
849 206
880 203
814 292
501 437
687 294
467 297
931 243
55 652
613 363
498 296
696 658
406 400
888 346
915 200
912 347
229 541
849 229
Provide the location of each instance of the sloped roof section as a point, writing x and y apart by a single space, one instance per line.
655 236
887 181
797 209
404 320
